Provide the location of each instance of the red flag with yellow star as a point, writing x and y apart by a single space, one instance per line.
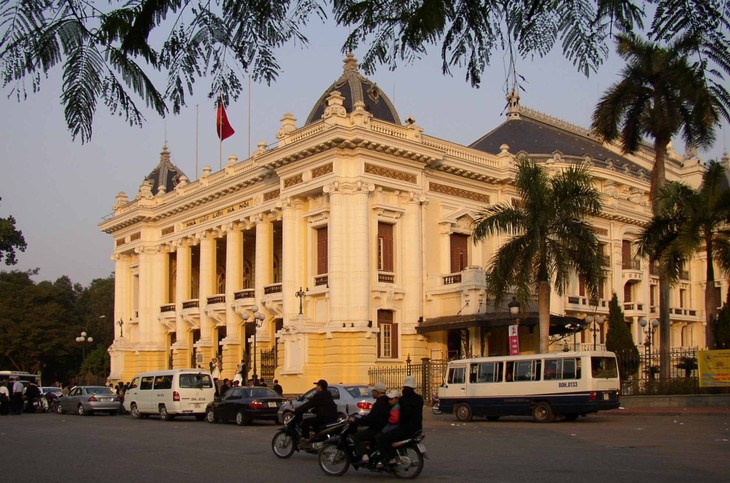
223 127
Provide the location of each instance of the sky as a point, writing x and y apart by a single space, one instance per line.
59 190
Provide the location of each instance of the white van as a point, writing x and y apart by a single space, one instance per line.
170 393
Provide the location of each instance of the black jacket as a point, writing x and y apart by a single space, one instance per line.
411 411
377 418
322 405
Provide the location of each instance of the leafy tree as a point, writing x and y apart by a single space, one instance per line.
107 52
620 341
551 237
691 221
661 93
11 239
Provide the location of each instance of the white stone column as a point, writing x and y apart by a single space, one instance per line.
207 288
338 256
445 247
358 221
264 254
122 294
158 294
234 279
147 315
182 291
412 251
294 268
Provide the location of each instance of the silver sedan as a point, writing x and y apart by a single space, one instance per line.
86 400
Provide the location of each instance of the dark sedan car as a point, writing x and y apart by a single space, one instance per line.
245 404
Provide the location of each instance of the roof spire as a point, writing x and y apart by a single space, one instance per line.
513 104
350 63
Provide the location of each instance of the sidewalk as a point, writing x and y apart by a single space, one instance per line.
667 410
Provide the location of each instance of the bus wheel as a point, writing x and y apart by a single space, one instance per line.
543 413
463 412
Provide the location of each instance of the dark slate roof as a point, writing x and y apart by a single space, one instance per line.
165 174
354 87
529 131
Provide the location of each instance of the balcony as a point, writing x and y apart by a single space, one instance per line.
246 293
322 279
581 303
633 308
272 289
167 316
685 315
386 277
216 299
167 308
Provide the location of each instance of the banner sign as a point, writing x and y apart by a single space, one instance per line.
514 340
714 367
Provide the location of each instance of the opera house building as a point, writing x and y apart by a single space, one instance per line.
347 245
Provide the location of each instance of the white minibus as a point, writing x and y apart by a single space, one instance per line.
170 393
544 386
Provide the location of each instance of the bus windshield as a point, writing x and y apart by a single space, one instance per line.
603 367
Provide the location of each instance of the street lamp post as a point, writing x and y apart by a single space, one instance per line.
257 318
648 328
84 339
574 328
597 322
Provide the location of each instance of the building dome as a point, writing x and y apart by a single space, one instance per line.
354 87
165 175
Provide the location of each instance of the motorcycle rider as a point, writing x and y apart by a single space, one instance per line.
375 421
411 421
322 405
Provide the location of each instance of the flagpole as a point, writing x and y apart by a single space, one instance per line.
197 134
249 115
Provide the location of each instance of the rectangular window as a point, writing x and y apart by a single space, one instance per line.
524 370
163 382
459 252
604 368
146 382
387 335
385 247
485 372
558 369
682 297
457 375
322 265
195 381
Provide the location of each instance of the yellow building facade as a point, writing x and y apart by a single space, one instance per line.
347 246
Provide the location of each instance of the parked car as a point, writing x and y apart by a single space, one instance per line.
350 399
245 404
86 400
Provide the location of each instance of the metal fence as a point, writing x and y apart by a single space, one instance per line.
429 375
642 374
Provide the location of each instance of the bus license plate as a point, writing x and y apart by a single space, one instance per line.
421 447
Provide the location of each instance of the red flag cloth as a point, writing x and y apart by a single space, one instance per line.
223 127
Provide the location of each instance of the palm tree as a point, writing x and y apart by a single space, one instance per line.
690 221
551 237
660 94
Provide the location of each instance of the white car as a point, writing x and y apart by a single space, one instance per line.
350 399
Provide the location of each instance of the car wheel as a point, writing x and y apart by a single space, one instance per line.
463 412
164 415
81 410
210 416
287 416
543 413
135 411
59 409
241 418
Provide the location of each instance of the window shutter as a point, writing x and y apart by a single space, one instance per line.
459 252
394 341
322 240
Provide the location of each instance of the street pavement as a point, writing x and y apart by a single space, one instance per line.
631 445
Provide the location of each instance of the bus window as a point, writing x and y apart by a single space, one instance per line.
553 369
457 375
486 372
604 367
527 370
146 383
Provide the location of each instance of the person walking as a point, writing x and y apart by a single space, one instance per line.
277 388
4 399
16 403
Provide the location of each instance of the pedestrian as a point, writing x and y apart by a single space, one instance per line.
16 401
32 394
4 399
277 388
262 382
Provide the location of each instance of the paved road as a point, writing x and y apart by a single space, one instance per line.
611 447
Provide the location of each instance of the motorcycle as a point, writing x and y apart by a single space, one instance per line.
287 439
338 453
